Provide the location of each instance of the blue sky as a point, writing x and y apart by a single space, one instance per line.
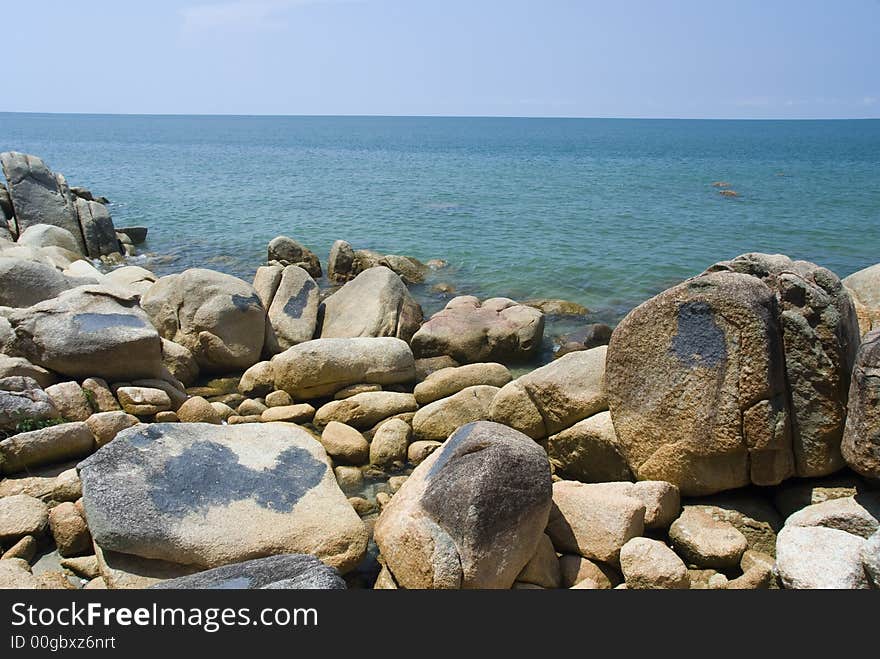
585 58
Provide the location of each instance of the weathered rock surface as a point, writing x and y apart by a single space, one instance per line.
19 366
871 558
543 568
375 303
696 385
216 316
287 251
820 336
498 330
448 381
471 515
441 418
293 312
593 521
70 400
324 366
106 425
818 557
180 362
861 438
588 451
649 564
88 331
69 530
97 227
555 396
206 495
48 235
285 571
341 263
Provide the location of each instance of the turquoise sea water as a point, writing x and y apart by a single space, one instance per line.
602 212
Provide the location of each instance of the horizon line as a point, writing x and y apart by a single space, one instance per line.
428 116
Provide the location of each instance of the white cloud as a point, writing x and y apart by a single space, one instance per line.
240 14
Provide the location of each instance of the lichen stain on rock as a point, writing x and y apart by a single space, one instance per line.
209 474
698 340
98 322
245 303
294 307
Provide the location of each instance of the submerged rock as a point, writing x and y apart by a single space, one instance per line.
207 495
471 515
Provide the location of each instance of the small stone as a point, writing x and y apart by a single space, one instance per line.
167 417
574 569
45 446
350 479
198 410
356 389
143 401
345 444
16 573
22 515
383 499
97 583
106 425
390 443
543 568
69 530
278 398
361 506
302 413
705 542
419 450
251 407
395 482
650 564
223 410
100 396
70 400
236 419
25 549
84 566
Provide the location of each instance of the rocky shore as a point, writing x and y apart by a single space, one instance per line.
313 429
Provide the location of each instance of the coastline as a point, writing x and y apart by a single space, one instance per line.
286 416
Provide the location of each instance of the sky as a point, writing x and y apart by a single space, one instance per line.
572 58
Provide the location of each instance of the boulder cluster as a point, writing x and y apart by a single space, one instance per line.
201 431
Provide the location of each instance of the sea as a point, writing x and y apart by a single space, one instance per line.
603 212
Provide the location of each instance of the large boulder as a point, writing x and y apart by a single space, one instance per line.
820 337
97 229
864 288
207 495
22 400
861 438
39 195
288 251
556 396
25 283
293 313
696 386
88 331
375 303
324 366
499 330
285 571
471 515
216 316
48 235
